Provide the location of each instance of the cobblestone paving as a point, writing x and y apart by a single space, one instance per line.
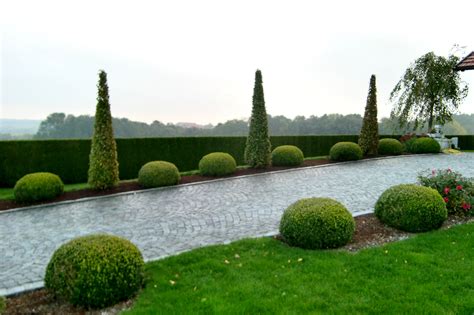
171 220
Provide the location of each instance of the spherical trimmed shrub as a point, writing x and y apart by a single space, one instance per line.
390 147
95 271
37 187
287 155
411 208
345 151
157 174
317 223
217 164
426 145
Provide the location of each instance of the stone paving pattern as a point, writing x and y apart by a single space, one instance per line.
167 221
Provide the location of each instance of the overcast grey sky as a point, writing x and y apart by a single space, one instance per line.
178 61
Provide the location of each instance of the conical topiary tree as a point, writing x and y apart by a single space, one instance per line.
258 147
103 164
369 134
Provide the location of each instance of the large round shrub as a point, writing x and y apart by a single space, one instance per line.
287 155
390 147
426 145
411 208
345 151
37 187
317 223
217 164
95 271
157 174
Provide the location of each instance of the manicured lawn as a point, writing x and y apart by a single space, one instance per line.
6 193
323 157
428 274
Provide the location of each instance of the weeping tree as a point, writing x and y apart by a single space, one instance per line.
429 92
258 147
369 134
103 164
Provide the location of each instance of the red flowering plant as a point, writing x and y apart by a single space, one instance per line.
457 191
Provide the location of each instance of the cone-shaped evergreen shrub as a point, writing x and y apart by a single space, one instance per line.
369 134
258 147
103 164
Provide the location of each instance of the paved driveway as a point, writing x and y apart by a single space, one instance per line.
163 222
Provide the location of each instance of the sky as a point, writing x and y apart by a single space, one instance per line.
195 61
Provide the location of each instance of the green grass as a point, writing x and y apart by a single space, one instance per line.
467 150
188 173
428 274
6 193
322 157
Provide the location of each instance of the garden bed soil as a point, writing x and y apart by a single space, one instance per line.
369 233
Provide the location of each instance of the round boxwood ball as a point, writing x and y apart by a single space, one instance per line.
390 147
345 151
426 145
95 271
157 174
37 187
317 223
287 155
217 164
411 208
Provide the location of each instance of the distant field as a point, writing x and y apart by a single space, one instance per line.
19 126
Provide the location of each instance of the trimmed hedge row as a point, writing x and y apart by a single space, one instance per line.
69 159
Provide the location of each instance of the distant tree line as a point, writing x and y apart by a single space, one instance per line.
60 126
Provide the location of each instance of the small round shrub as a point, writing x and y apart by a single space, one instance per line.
345 151
217 164
287 155
37 187
157 174
411 208
317 223
390 147
95 271
426 145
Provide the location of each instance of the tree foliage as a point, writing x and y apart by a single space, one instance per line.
103 163
369 133
258 147
82 127
429 92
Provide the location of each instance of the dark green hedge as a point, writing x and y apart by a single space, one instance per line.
70 158
465 142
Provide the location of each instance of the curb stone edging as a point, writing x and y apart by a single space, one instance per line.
204 182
